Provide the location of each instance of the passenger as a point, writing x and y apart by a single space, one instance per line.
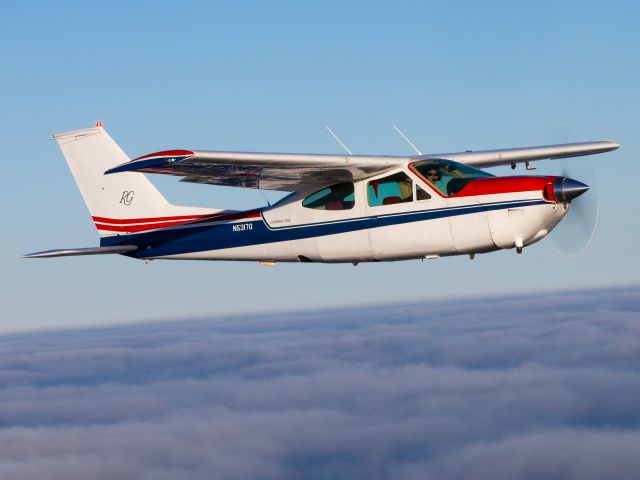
406 189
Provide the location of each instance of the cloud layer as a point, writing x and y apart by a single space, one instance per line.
529 387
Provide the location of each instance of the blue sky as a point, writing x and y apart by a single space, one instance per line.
268 76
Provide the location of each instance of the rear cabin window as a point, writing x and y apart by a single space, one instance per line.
336 197
396 188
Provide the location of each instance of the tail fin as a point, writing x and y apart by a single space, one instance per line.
122 203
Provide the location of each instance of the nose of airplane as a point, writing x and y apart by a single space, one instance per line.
566 189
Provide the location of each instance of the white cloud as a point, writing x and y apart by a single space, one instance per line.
544 387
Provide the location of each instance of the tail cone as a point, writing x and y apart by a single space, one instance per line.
566 189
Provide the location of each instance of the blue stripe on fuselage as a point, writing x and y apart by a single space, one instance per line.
193 238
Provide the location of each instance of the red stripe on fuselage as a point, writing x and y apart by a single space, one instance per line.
136 228
139 225
125 221
497 185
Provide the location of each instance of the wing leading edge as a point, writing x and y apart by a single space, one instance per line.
295 172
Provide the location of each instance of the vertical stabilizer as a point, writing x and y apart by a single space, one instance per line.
122 203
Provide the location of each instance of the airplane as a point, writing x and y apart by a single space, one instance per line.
340 208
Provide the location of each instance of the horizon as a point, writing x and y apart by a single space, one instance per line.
463 299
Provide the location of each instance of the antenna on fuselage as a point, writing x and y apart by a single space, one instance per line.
407 140
265 197
338 140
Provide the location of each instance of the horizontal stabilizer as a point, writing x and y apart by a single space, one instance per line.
69 252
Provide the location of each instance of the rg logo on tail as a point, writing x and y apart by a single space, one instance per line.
127 197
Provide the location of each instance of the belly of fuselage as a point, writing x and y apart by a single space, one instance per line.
459 229
377 240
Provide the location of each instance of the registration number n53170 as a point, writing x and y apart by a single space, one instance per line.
241 227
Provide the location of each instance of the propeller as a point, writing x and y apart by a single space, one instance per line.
576 231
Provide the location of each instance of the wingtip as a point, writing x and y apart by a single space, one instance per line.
114 170
607 145
34 255
152 160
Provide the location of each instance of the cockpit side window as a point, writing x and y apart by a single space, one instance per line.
336 197
396 188
446 176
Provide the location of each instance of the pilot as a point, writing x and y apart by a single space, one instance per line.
433 175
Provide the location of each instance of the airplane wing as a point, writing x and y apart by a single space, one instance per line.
295 172
508 156
270 171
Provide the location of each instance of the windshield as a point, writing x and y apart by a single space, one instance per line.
446 176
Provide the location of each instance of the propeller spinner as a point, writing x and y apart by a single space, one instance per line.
566 189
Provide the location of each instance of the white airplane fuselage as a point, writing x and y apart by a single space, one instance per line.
438 226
